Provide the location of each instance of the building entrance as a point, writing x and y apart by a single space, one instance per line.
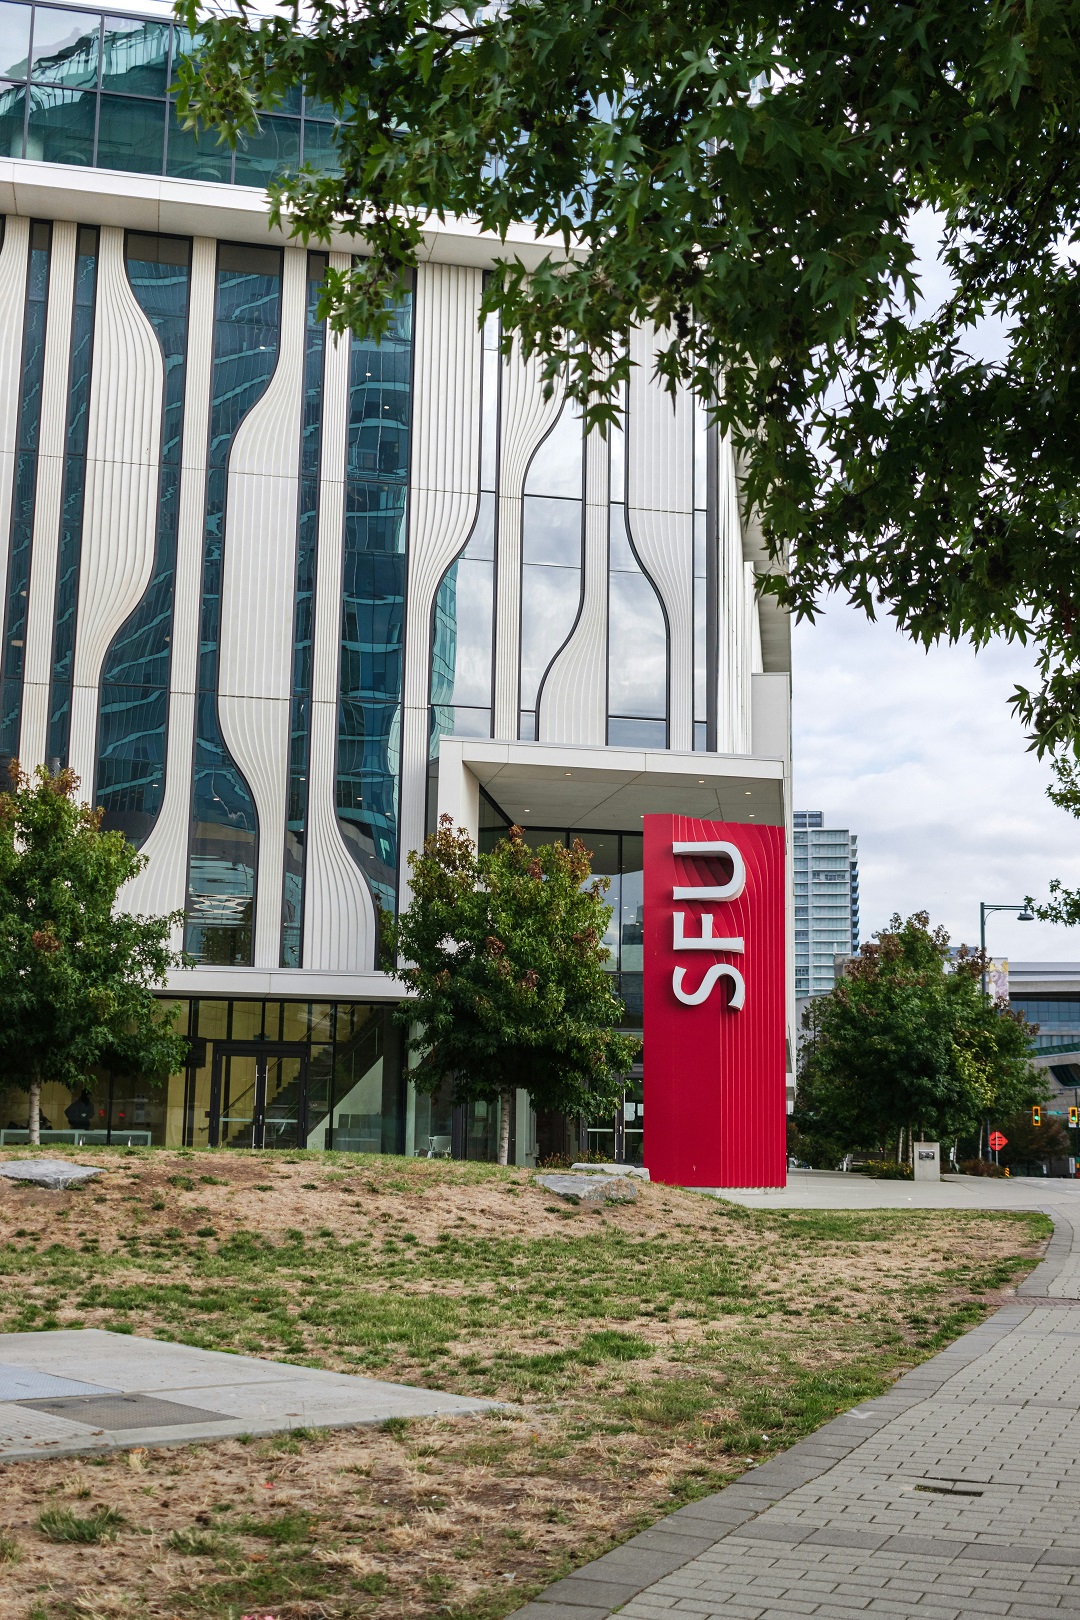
258 1095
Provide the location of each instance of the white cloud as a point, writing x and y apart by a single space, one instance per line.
919 754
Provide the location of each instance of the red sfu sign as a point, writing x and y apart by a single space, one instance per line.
714 1024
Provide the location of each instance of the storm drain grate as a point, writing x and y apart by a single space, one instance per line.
124 1411
949 1490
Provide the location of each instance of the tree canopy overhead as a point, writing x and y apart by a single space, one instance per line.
745 176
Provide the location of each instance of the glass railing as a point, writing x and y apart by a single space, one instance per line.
85 88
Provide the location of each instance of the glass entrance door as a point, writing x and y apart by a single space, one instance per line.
258 1095
284 1101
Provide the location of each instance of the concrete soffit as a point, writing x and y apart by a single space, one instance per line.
233 213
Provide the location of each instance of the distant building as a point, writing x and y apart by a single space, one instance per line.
1048 994
826 901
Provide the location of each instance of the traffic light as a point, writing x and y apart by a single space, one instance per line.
1036 1116
1074 1119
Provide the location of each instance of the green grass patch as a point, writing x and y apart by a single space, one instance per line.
63 1524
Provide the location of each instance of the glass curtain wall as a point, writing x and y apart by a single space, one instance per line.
552 558
23 496
82 87
292 909
69 556
224 826
705 565
350 1070
637 629
373 605
134 700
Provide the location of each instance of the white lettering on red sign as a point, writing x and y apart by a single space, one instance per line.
712 891
707 940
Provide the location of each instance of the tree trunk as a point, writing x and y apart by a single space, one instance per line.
506 1102
34 1120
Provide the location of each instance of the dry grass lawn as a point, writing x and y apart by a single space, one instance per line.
648 1354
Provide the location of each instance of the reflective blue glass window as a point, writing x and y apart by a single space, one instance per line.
552 540
79 59
303 620
373 606
22 505
196 157
135 674
321 147
462 639
131 134
66 47
637 633
224 832
135 56
321 110
270 152
69 555
61 125
14 41
12 119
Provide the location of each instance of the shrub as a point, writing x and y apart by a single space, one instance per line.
887 1170
979 1167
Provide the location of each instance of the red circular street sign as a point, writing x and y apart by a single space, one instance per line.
997 1141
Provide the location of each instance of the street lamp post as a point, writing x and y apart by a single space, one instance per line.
1023 915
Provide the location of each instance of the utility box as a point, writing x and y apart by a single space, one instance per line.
927 1161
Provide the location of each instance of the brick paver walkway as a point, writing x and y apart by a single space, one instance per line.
956 1494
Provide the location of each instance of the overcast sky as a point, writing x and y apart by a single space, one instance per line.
919 754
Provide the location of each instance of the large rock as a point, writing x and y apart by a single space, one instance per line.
614 1170
590 1189
48 1172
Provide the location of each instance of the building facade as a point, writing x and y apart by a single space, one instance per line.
280 599
826 870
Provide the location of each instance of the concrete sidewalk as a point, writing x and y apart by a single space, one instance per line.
76 1391
956 1494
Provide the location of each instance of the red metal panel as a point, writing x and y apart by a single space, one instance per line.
715 1096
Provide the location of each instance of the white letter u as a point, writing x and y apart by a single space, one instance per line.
718 971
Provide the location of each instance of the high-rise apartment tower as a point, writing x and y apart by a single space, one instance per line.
826 901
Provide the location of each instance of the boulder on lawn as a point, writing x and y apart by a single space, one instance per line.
590 1189
48 1172
637 1170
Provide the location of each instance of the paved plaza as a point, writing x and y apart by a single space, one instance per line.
956 1494
85 1390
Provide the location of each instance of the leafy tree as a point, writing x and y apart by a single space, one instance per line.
1028 1143
505 955
76 976
908 1040
746 177
1063 905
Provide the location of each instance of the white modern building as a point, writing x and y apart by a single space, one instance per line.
280 600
